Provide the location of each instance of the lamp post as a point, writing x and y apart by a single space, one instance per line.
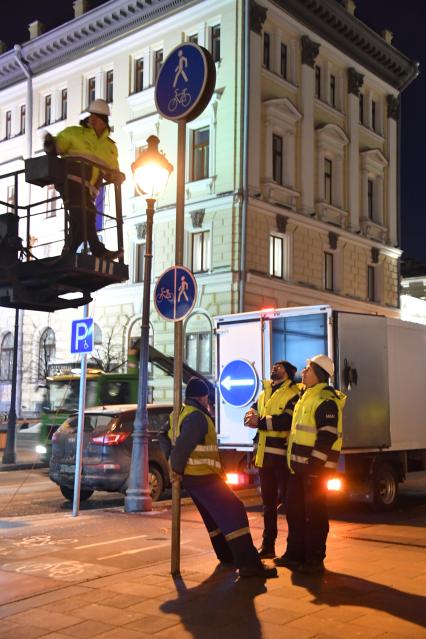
151 171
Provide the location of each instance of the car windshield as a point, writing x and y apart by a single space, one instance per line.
62 395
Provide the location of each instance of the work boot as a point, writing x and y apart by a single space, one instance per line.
267 551
262 571
287 562
314 567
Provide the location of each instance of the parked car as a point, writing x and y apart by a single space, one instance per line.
107 450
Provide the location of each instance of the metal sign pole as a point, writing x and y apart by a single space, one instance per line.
177 370
80 428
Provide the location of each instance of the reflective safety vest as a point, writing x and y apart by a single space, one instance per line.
83 142
205 458
271 441
304 430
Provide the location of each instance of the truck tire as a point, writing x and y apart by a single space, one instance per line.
156 482
68 493
385 486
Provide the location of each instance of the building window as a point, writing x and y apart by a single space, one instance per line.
328 180
200 252
370 199
198 352
277 158
91 90
200 154
140 249
193 38
373 115
138 75
51 202
47 109
109 89
276 256
371 284
158 61
215 35
333 90
283 60
6 358
22 116
11 198
266 50
317 82
47 350
361 108
64 104
8 124
328 271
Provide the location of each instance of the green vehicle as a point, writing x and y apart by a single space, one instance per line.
62 393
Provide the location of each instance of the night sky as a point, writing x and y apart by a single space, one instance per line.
406 20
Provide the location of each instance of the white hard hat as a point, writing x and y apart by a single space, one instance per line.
99 107
324 362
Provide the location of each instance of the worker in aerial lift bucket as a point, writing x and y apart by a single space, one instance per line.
89 140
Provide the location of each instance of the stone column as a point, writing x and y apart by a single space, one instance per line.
355 81
392 169
310 51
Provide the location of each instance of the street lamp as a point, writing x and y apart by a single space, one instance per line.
151 171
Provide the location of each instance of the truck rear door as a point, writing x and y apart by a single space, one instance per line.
362 374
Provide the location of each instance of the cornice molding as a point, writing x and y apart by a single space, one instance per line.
334 23
96 28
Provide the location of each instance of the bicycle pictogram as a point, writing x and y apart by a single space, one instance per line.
165 294
181 97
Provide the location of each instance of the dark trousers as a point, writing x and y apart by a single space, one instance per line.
225 518
307 518
77 216
273 485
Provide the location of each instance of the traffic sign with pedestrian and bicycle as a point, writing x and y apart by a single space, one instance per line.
175 293
238 383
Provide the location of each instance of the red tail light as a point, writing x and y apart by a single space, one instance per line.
110 439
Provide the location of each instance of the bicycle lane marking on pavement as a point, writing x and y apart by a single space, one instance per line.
66 570
110 541
138 550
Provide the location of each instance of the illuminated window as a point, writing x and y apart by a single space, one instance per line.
200 252
200 154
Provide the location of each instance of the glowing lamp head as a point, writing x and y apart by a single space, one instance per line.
335 485
151 170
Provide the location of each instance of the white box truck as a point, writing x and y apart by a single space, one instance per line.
380 365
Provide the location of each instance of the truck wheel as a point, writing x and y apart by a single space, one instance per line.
385 486
68 493
156 482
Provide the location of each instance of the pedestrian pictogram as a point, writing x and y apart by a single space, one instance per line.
238 382
175 293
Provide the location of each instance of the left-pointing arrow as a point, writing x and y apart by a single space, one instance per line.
228 382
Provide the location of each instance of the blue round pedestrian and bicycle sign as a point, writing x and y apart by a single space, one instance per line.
238 382
175 293
185 83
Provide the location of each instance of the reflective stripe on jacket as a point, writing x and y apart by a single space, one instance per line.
82 141
304 429
273 442
204 459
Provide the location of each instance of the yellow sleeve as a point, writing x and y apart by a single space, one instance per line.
64 140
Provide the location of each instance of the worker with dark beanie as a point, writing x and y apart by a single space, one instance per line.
195 461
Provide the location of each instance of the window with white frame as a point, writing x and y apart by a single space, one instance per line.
198 343
139 261
317 71
373 164
6 357
284 60
109 86
47 350
277 158
278 255
328 271
371 283
47 109
64 104
138 81
8 127
22 117
91 90
215 42
51 203
333 90
200 157
331 141
200 251
158 63
361 108
266 50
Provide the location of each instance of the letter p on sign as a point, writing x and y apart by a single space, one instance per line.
82 336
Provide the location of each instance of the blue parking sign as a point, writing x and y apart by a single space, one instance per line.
82 335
